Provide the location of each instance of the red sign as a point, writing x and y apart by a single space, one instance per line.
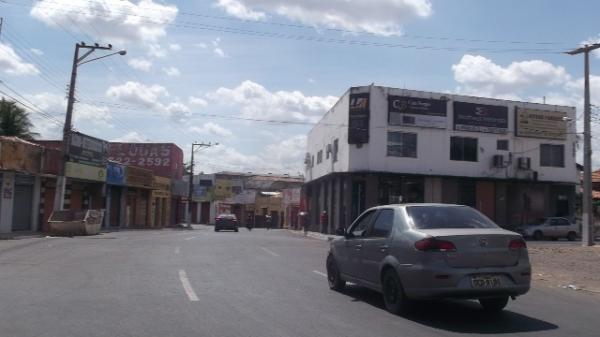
163 159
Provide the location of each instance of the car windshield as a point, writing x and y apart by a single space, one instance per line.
435 217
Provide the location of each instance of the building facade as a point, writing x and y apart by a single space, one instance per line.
514 161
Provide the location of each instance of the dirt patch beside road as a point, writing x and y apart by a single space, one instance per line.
567 265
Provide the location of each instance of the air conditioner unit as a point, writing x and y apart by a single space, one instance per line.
498 160
524 163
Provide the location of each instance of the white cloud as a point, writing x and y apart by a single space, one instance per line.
36 51
12 64
219 52
151 97
197 101
137 93
211 128
140 64
282 156
174 47
156 50
201 45
481 76
172 71
255 101
384 18
312 81
130 137
119 22
217 49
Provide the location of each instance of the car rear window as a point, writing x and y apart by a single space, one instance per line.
435 217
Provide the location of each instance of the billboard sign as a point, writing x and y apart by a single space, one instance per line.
415 111
358 119
540 124
115 174
87 150
480 117
165 160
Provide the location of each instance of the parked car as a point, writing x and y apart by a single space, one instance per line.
226 221
552 227
430 251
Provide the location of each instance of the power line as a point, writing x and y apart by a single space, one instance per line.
224 29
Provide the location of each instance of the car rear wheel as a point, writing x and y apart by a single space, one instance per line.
236 229
216 229
495 304
393 294
571 236
333 275
538 235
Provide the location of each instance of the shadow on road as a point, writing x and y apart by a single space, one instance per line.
458 316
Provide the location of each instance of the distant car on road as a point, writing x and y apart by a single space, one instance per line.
552 227
226 221
430 251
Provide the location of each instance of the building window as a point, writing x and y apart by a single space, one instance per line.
463 149
402 144
502 144
552 155
312 161
319 156
336 147
327 151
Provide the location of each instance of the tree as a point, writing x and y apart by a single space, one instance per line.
14 121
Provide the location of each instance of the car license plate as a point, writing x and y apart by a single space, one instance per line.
485 281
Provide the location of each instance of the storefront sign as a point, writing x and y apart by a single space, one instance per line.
85 172
139 177
415 111
480 117
115 174
541 124
358 119
87 150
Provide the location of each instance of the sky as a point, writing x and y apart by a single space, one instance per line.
255 75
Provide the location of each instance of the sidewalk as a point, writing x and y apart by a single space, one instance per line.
16 241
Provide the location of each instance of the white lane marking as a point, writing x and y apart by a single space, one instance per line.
269 251
185 282
191 238
319 273
177 250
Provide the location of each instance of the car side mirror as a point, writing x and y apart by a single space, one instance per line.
340 231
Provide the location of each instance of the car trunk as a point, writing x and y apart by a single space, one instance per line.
227 222
478 248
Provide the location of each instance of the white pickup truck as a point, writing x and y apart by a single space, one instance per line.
552 228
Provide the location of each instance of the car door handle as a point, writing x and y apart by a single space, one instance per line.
358 246
383 248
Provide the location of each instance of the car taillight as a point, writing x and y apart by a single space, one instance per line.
218 219
517 244
435 245
234 220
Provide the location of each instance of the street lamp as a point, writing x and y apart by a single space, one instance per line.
77 61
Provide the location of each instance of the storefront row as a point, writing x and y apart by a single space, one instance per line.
342 197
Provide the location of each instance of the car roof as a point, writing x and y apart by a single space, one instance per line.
417 205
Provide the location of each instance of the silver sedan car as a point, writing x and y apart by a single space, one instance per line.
430 251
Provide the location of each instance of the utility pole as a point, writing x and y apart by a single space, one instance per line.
61 181
191 184
1 22
587 216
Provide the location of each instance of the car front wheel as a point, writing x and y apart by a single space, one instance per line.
571 236
495 304
333 275
393 294
538 235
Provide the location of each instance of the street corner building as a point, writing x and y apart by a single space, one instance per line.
513 161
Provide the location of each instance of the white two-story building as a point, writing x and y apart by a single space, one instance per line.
514 161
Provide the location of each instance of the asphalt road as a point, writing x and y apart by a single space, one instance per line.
259 283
